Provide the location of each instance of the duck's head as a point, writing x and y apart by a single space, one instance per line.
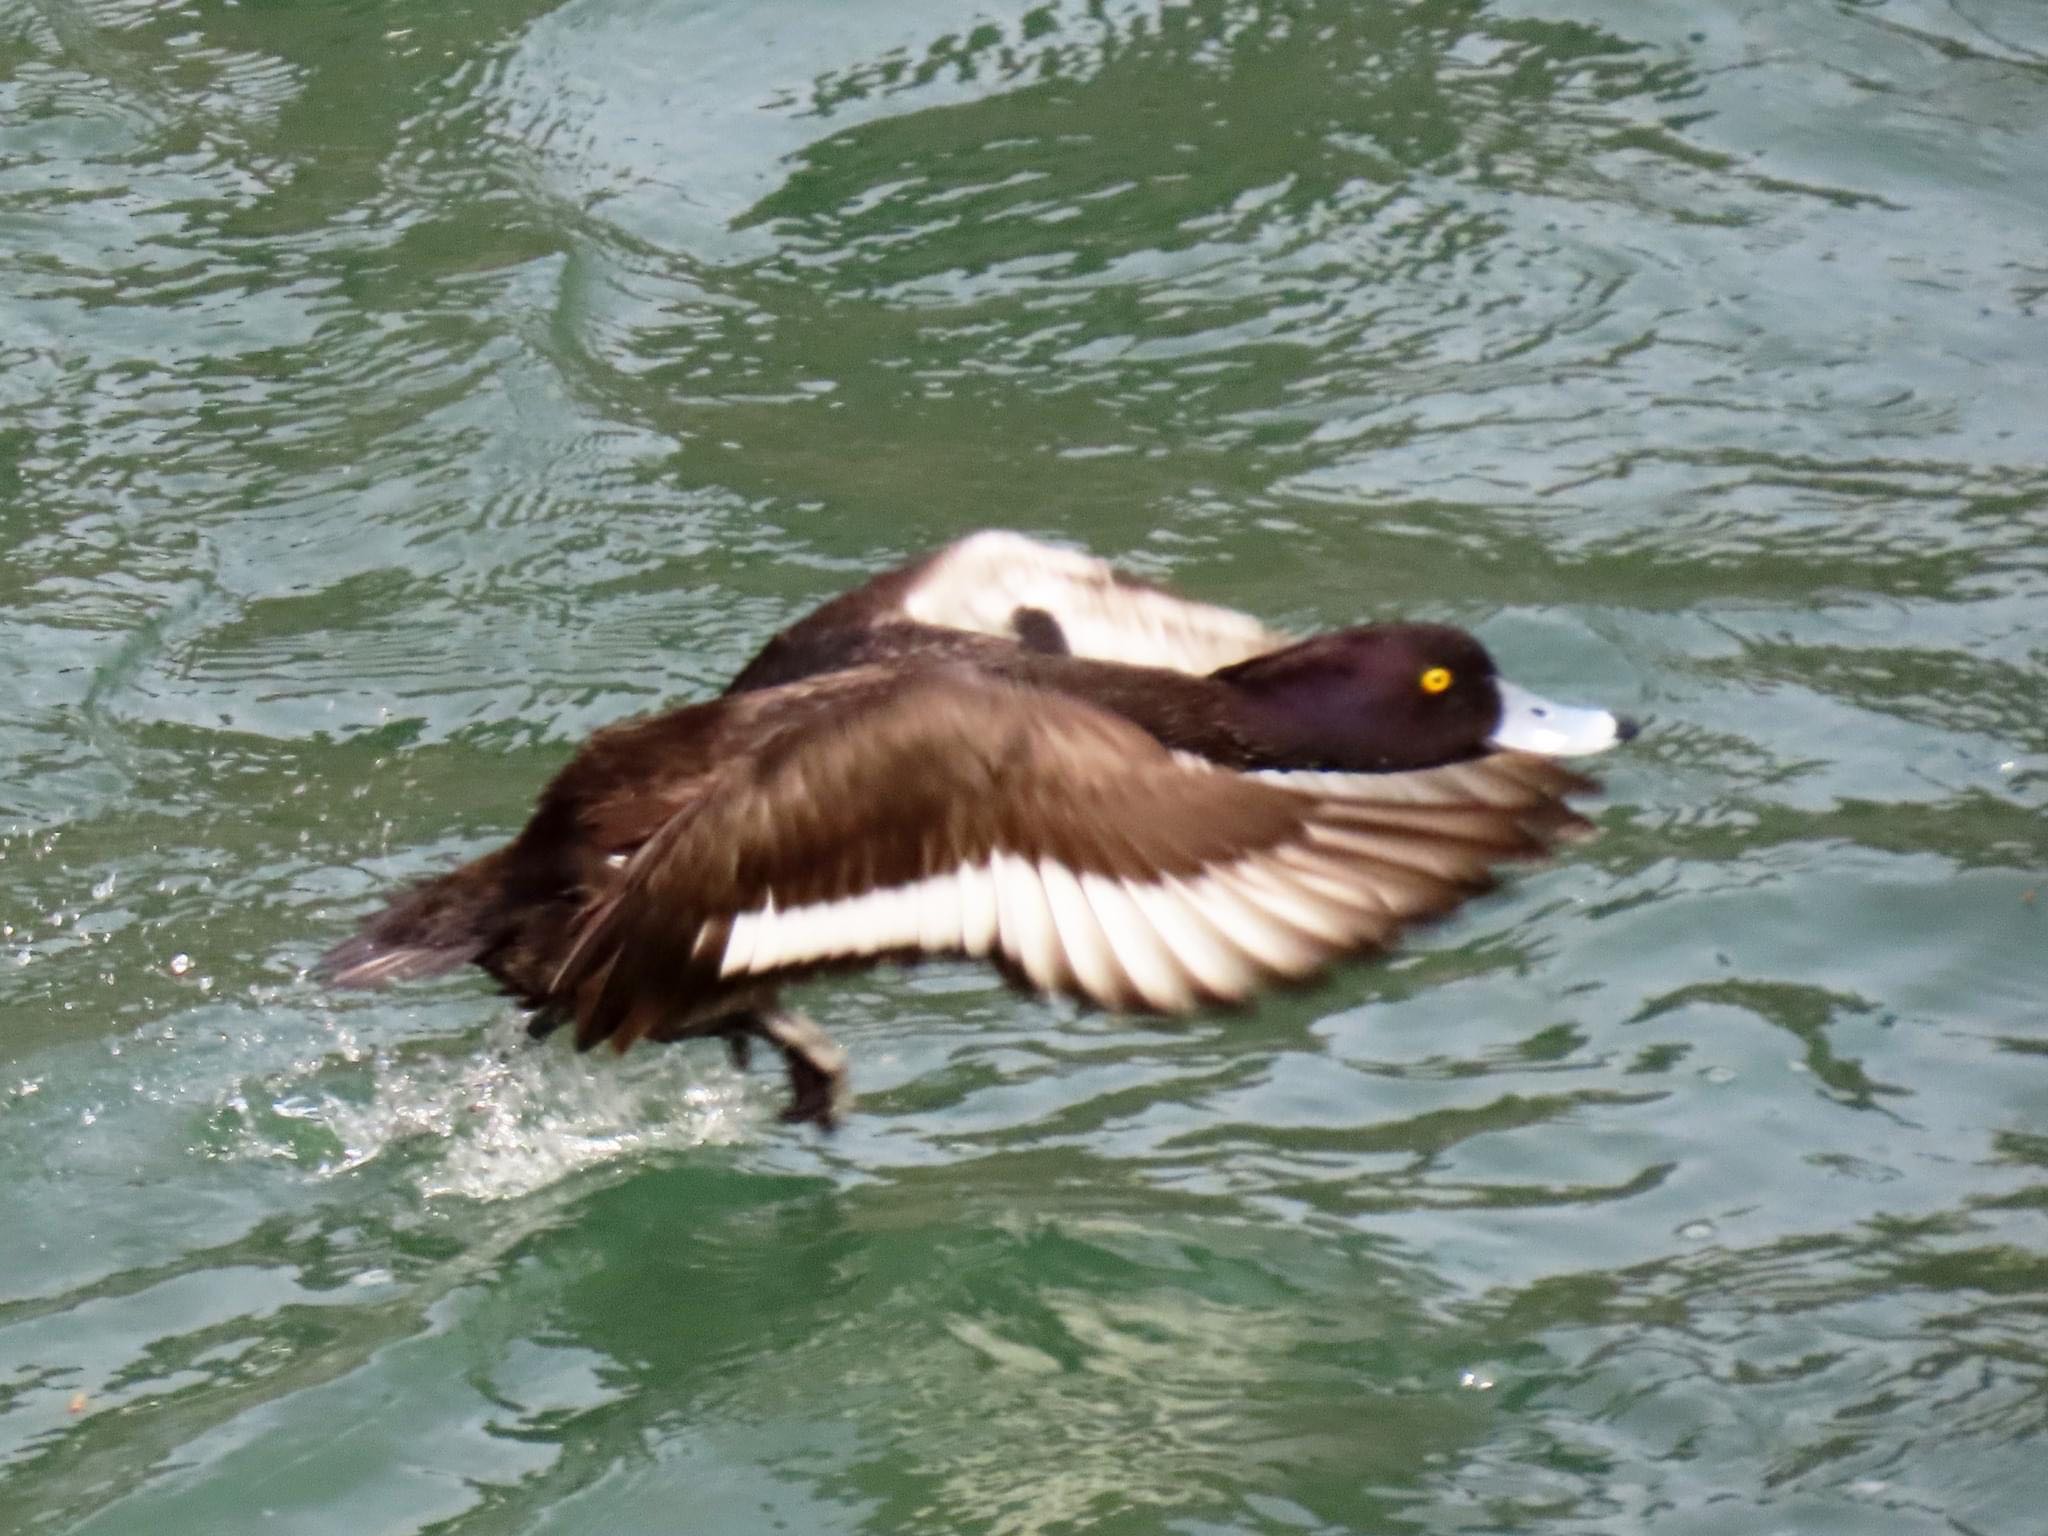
1385 697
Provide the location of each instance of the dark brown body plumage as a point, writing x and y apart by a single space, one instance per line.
1229 811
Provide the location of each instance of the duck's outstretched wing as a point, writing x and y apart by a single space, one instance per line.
944 814
1012 588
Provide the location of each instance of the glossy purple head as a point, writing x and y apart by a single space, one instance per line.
1385 697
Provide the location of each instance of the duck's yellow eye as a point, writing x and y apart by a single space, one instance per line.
1436 679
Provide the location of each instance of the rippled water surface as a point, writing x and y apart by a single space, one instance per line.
392 392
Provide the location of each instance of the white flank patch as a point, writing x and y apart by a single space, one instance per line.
980 583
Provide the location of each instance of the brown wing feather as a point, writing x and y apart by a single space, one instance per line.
940 812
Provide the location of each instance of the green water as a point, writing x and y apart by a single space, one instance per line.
392 392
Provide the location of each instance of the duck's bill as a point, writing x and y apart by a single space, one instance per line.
1531 723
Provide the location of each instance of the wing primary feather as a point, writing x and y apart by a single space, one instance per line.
1278 948
1405 852
1216 964
1157 977
978 908
940 904
1088 952
1028 934
1259 881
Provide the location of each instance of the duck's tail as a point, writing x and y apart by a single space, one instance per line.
437 926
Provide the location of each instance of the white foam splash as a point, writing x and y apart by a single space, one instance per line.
506 1118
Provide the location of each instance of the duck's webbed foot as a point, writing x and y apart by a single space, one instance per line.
816 1064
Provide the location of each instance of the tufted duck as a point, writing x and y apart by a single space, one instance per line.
1014 752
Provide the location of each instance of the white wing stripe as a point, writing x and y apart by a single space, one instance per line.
1218 966
1165 943
1027 934
1404 852
1258 884
939 911
741 939
1276 947
1144 955
1156 940
978 909
1087 950
1329 879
